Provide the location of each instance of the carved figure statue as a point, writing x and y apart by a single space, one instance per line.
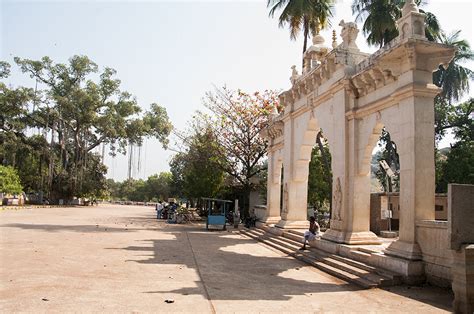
349 34
294 74
285 198
337 200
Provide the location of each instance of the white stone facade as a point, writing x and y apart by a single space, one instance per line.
351 96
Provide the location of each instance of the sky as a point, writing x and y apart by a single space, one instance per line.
172 52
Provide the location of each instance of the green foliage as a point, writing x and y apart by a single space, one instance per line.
388 152
458 167
4 69
236 120
457 164
380 16
75 109
319 187
9 181
454 80
156 187
29 156
197 171
308 16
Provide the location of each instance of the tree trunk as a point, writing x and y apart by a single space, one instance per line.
305 39
246 201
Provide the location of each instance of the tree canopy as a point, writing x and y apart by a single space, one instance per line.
308 16
9 181
74 109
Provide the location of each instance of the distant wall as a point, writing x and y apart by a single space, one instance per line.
378 224
255 199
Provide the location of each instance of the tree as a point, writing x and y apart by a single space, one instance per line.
308 16
29 156
388 152
13 116
380 16
79 115
457 164
158 186
9 181
235 121
197 170
454 80
319 187
113 189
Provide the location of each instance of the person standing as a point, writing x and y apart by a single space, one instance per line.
159 209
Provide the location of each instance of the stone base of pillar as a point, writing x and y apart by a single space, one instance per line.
270 220
406 250
346 237
293 224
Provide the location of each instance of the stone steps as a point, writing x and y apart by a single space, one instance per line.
356 272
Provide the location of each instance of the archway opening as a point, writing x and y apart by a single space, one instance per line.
320 182
385 185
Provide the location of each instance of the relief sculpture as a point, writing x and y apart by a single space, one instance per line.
337 200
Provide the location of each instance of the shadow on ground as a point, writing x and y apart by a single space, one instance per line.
72 228
438 297
226 259
229 266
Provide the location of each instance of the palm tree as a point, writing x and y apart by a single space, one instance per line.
308 16
454 80
380 16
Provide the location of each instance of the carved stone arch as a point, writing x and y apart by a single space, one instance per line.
370 134
309 138
277 165
369 141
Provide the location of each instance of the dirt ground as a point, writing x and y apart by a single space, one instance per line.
121 259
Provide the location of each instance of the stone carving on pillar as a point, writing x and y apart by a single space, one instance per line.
285 198
337 200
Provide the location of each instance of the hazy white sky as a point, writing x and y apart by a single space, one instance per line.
172 52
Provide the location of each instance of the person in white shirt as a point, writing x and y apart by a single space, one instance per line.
159 209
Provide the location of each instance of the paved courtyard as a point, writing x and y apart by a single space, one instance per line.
121 259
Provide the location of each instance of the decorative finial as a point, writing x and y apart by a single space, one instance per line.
294 74
410 6
334 39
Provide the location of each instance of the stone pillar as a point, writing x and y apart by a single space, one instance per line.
417 171
350 223
463 279
461 232
272 215
295 196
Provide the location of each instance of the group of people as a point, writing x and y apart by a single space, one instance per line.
165 211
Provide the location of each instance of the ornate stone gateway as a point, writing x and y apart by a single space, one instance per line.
351 96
